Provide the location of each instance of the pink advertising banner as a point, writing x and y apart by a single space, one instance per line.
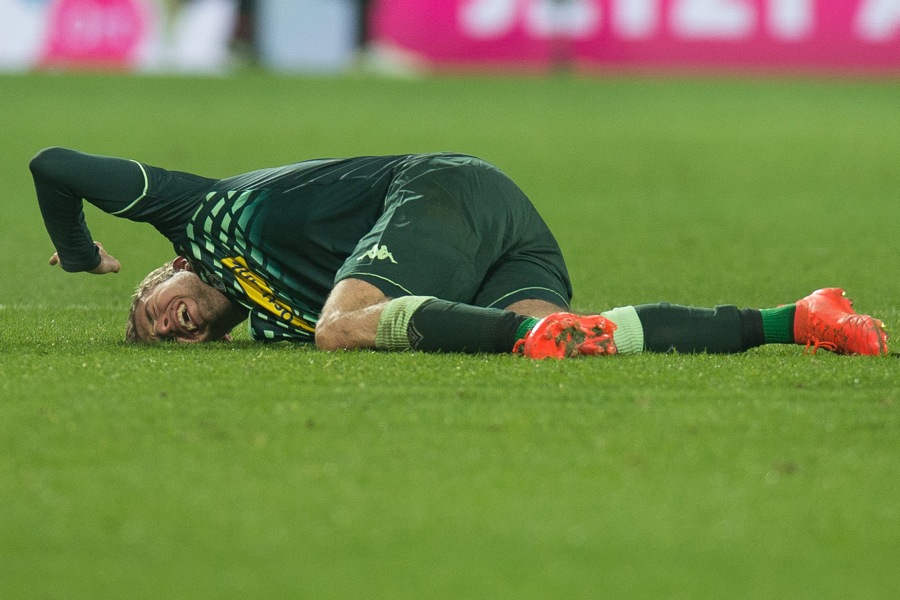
96 32
768 34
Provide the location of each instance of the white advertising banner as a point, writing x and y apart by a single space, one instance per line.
22 32
307 35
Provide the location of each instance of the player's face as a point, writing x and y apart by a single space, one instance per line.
183 309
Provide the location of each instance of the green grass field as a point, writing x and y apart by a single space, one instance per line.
242 471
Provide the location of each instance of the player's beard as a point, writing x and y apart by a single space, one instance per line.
217 310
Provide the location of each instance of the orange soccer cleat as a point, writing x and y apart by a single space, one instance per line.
826 319
564 335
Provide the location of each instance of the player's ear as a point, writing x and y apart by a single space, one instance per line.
181 264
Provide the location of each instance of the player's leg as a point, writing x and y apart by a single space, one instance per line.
823 319
437 252
350 316
359 315
535 308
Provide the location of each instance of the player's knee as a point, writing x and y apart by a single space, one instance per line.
331 335
349 317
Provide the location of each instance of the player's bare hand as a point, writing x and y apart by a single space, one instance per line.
108 263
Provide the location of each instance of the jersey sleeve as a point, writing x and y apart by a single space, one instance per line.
124 188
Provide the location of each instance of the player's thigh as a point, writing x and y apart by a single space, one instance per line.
536 276
437 237
459 229
535 308
352 295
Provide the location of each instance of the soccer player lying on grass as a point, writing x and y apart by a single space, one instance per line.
433 252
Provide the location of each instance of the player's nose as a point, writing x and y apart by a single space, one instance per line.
163 325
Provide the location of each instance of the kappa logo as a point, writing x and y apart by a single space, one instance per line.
377 252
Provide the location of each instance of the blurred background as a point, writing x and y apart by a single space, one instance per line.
404 37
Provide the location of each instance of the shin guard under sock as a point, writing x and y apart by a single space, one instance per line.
434 325
724 329
442 326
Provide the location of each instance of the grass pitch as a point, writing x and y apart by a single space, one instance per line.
247 471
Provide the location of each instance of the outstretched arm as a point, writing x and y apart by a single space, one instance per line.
62 179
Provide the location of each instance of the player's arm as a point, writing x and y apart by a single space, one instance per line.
108 263
62 179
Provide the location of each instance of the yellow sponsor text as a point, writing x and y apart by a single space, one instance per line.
262 295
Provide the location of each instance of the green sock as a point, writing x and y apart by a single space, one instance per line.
778 324
526 326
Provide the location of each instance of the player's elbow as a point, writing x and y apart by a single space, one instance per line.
46 163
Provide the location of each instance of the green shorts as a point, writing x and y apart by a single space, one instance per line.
456 228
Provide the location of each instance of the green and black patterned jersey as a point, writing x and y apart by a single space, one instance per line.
271 240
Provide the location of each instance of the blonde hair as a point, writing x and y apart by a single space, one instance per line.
153 279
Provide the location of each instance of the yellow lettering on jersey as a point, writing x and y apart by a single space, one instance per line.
259 292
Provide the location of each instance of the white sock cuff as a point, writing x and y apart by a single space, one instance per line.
629 334
392 325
